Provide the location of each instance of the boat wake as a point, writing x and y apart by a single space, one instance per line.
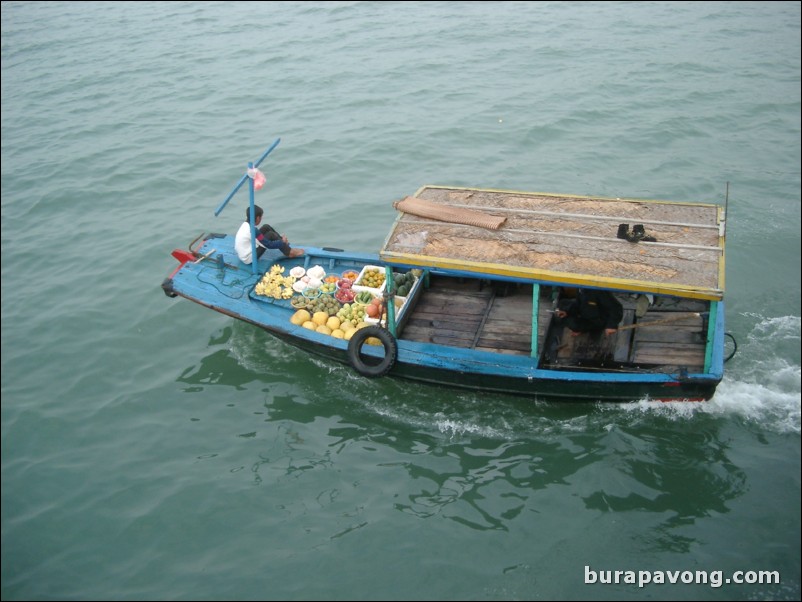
761 386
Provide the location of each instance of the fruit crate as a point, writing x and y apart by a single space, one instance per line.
402 310
374 290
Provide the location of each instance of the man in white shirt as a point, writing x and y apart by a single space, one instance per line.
266 238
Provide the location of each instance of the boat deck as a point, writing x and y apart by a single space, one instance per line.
473 314
496 316
670 338
564 240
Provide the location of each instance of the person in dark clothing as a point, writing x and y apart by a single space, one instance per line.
592 310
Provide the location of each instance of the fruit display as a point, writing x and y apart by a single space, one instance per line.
300 316
274 284
324 303
351 313
338 305
342 325
344 293
371 277
316 272
364 297
374 309
298 301
301 285
403 283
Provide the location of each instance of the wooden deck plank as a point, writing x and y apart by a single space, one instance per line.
508 325
502 335
641 346
461 311
668 336
441 339
503 351
452 307
521 347
623 338
689 355
505 327
444 324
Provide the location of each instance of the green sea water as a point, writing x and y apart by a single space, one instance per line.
153 449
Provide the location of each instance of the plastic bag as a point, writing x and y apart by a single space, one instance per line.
258 178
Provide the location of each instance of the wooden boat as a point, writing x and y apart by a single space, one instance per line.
486 271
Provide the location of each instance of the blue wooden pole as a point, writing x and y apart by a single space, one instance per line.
231 194
245 177
267 152
254 259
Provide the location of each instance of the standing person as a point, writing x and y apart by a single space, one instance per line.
592 309
266 238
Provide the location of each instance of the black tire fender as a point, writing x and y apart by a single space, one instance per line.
167 287
372 367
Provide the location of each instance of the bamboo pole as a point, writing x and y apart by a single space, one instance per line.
659 322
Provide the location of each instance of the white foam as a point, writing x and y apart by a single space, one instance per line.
762 384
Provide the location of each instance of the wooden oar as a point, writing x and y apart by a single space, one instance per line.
202 257
659 322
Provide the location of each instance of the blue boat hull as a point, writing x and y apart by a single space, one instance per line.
216 279
569 387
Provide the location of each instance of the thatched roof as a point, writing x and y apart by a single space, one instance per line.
566 239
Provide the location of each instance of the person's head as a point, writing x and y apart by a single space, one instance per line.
257 213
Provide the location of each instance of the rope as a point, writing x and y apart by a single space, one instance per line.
246 284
